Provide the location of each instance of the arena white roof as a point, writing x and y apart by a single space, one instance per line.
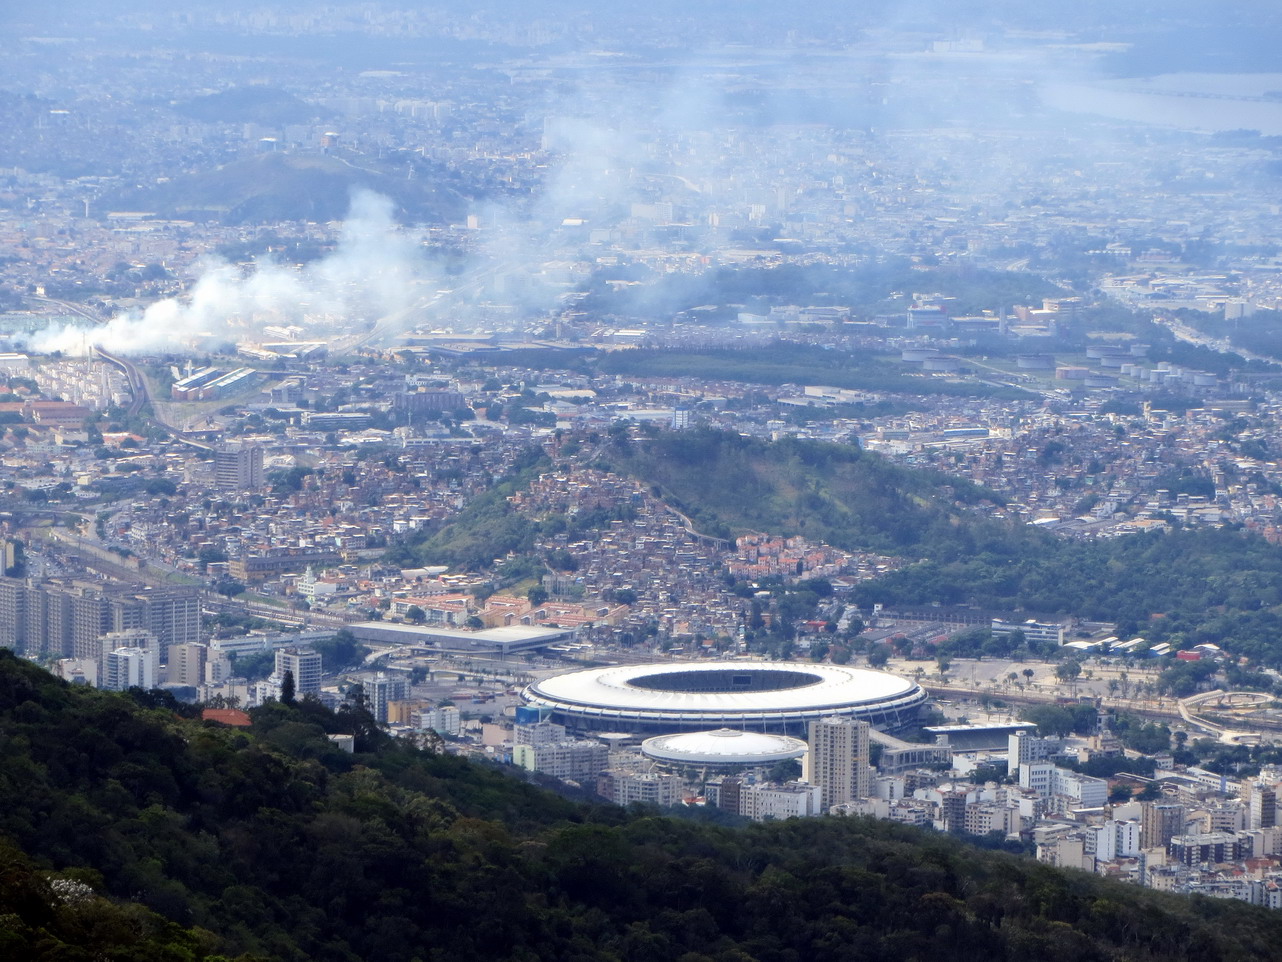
725 746
616 687
698 696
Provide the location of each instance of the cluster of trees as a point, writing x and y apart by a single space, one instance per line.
270 842
832 493
866 289
1148 738
1221 586
59 916
1079 719
785 363
983 643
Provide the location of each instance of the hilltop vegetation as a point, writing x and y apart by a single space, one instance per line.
1186 587
271 843
827 492
1222 586
284 187
485 531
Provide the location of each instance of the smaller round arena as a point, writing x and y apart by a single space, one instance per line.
724 748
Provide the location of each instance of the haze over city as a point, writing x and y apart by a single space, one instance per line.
698 481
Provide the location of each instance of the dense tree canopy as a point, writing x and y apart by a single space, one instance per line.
273 843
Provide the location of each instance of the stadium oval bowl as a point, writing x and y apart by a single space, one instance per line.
777 697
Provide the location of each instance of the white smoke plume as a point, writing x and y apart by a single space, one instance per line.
372 271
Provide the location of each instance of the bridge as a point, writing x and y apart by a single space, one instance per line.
1224 700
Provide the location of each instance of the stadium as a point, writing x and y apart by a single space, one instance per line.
752 696
722 750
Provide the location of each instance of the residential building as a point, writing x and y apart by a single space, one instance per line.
1261 797
569 759
1159 823
304 664
381 690
239 467
444 719
839 760
1024 747
129 668
624 788
186 664
1073 788
768 801
66 617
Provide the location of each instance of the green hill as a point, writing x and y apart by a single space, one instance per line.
276 187
1186 587
270 843
834 493
256 104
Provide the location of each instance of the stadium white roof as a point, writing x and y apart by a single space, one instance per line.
699 696
636 686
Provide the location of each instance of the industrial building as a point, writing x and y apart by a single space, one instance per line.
502 642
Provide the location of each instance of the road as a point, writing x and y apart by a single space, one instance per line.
1229 736
137 383
279 613
1191 335
78 309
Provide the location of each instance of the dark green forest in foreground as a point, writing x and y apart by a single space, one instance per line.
148 835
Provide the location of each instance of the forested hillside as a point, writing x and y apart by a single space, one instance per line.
828 492
1206 585
271 843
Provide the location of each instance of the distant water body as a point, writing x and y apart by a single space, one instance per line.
1188 101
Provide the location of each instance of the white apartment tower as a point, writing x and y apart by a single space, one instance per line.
838 761
380 691
305 664
127 668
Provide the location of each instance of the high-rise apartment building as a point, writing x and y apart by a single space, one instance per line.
1261 797
838 760
186 664
305 665
66 617
129 668
1160 822
129 638
239 467
381 690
